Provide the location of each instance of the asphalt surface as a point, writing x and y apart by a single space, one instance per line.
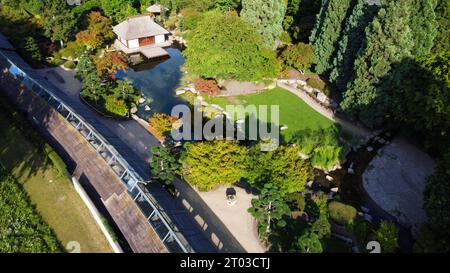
200 226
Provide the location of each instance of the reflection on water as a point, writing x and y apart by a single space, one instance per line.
158 81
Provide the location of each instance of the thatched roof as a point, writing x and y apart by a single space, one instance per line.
138 27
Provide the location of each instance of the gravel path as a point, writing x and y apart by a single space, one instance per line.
395 180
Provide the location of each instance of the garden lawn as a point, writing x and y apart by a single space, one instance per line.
21 153
294 112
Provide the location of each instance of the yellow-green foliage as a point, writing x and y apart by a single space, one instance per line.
341 213
210 164
115 106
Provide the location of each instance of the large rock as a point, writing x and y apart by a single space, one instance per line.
301 82
323 98
308 89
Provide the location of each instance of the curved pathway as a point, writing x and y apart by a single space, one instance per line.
346 125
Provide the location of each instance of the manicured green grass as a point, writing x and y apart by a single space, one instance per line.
22 154
294 112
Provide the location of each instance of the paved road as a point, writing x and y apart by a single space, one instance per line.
198 223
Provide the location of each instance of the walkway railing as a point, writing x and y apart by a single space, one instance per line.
158 219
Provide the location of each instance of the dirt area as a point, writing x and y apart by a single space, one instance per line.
233 88
395 180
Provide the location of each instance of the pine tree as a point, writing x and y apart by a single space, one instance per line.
319 22
443 17
328 32
266 16
351 42
31 50
424 26
388 41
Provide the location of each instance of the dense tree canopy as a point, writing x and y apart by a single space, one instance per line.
327 32
388 41
424 26
309 242
421 97
119 10
226 47
350 43
266 16
387 236
208 165
435 234
443 18
300 18
299 56
269 208
98 32
59 21
164 166
283 167
110 63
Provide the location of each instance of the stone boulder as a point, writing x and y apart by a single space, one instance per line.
321 97
308 89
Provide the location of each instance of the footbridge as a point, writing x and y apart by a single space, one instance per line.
143 222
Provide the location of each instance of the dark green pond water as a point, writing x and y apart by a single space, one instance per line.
158 81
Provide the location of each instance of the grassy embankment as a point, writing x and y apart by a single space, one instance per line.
23 154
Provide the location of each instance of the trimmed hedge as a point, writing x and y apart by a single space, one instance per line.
57 161
341 213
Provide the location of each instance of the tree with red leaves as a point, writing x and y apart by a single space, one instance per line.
98 31
110 63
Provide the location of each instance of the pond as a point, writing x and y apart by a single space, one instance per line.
158 81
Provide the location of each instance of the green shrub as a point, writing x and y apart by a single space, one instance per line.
72 50
316 83
299 56
296 201
341 213
387 236
327 156
57 59
319 84
70 65
285 37
162 124
116 107
363 232
58 162
191 18
323 147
